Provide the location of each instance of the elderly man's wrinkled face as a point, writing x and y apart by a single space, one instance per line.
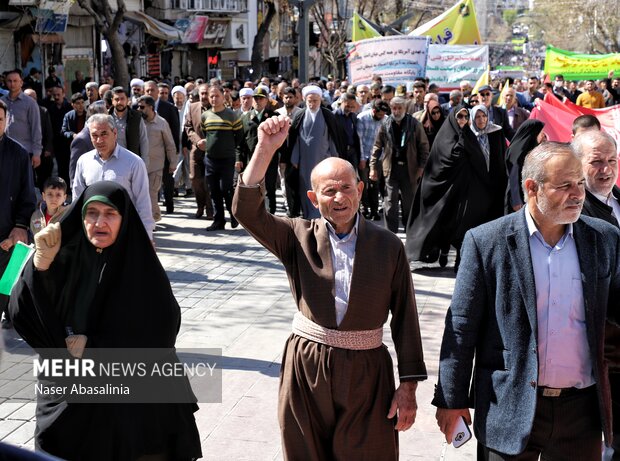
509 98
600 167
260 104
137 90
102 224
313 101
246 103
336 193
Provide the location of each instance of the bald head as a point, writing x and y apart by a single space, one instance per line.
331 167
30 92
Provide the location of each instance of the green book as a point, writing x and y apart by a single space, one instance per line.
21 255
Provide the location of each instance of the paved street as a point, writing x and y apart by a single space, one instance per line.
234 295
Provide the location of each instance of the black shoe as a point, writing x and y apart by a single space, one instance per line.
216 226
169 210
443 259
188 193
233 222
199 214
176 192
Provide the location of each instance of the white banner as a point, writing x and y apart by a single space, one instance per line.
397 59
447 65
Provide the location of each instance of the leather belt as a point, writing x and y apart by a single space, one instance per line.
343 339
562 392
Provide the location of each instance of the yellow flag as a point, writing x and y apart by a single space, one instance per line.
483 80
502 96
456 26
360 29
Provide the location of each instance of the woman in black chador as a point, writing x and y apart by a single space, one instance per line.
529 135
96 282
462 187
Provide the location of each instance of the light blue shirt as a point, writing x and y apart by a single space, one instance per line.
343 257
124 168
24 122
563 352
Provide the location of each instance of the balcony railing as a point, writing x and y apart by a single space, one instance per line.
214 6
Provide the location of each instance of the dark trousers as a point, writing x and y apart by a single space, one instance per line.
565 429
271 180
220 174
168 186
44 171
291 180
370 196
614 383
5 256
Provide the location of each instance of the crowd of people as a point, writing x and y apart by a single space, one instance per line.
442 167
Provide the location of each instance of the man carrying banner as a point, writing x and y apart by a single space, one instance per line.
17 199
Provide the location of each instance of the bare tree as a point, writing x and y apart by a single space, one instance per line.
107 22
334 33
259 39
591 27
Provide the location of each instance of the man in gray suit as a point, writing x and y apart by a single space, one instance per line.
531 306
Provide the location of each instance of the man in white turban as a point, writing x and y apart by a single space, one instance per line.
313 137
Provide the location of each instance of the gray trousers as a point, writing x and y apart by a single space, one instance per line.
397 184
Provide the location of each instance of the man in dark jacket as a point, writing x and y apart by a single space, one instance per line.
58 107
44 170
599 159
17 199
131 128
524 335
346 120
403 147
261 110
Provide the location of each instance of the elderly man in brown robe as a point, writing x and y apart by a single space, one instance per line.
337 398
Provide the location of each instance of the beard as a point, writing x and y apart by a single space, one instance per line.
398 118
556 214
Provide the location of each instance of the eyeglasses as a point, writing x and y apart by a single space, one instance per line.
141 107
462 116
484 95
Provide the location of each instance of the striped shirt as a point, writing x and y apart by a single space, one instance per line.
223 132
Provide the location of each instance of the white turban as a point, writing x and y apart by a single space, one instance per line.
179 89
311 89
246 92
136 82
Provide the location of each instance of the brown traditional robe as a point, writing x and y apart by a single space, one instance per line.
334 402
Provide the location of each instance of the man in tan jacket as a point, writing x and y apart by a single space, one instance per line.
403 145
197 152
337 397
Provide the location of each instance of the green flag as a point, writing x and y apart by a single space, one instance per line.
21 254
361 30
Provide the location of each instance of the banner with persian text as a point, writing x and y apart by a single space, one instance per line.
397 59
578 66
447 65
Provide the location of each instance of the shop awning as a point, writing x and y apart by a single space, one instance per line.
153 26
48 38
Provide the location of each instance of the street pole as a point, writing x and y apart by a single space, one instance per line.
304 32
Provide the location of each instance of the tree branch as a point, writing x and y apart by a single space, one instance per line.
86 5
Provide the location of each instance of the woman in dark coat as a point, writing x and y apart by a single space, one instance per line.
462 187
95 282
432 120
529 135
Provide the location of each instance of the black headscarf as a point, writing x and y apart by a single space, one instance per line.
524 140
455 193
119 297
